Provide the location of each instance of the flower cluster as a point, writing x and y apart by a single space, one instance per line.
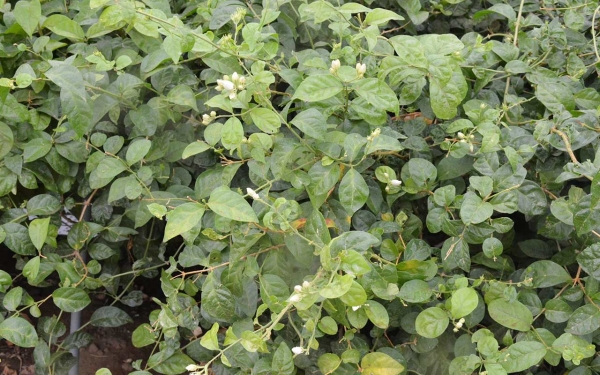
298 290
374 135
464 139
230 85
458 325
207 119
193 369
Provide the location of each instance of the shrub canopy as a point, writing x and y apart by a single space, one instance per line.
319 187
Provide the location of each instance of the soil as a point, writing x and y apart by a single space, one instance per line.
111 347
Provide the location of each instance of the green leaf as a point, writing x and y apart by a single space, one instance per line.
328 363
38 231
379 16
109 316
43 204
417 175
513 315
209 339
449 167
447 96
463 301
194 148
137 150
232 133
492 247
474 210
231 205
523 355
377 93
546 273
13 299
28 14
35 149
380 364
283 361
74 100
353 191
556 96
584 320
17 239
312 123
589 260
6 139
106 170
184 96
377 314
265 119
70 299
64 26
182 219
143 336
173 365
339 286
415 291
355 296
432 322
19 331
318 88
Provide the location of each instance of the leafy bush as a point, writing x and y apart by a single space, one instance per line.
320 187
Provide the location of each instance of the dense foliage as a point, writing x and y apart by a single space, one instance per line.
318 187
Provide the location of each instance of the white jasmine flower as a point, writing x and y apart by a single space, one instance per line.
354 308
306 284
335 65
297 350
361 69
225 84
471 147
396 183
298 289
232 95
235 77
295 298
252 193
206 119
460 135
242 80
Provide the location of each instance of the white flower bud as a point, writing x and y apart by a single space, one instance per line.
225 84
242 80
361 69
306 284
297 350
472 136
205 117
252 193
192 367
463 141
295 298
335 65
462 320
235 77
455 329
396 183
298 289
387 189
354 308
232 95
471 148
213 114
460 135
386 175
